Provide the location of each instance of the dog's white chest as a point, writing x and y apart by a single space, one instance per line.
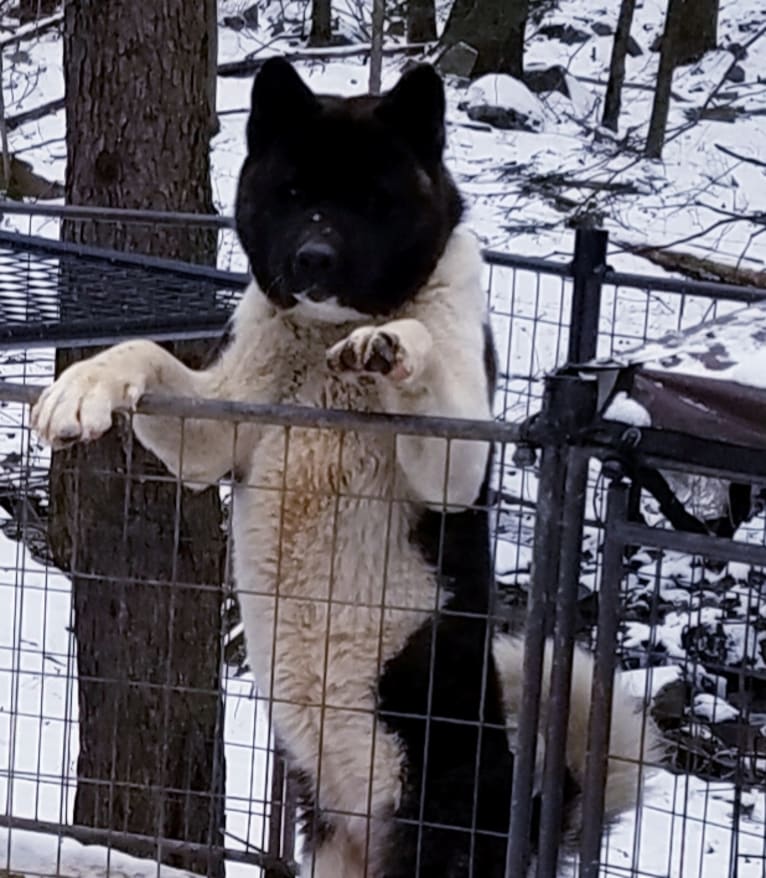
330 586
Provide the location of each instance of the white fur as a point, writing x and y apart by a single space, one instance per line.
329 582
325 310
634 742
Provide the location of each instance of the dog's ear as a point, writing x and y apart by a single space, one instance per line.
414 108
280 104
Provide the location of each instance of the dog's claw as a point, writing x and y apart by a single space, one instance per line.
369 350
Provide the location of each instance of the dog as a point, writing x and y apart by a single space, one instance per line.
362 560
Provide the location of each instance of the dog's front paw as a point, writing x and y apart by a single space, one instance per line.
397 350
78 407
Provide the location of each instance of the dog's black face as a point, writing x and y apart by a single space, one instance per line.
344 206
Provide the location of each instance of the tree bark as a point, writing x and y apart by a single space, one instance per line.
495 28
613 98
698 30
321 23
376 46
421 21
697 267
661 106
145 556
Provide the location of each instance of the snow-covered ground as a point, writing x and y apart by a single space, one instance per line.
686 826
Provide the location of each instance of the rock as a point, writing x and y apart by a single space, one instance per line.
250 16
235 22
19 57
457 60
540 79
738 50
601 29
504 102
634 50
736 74
565 33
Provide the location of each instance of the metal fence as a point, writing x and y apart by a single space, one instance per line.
544 314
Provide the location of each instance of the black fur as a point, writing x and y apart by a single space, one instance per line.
490 362
458 762
345 198
316 828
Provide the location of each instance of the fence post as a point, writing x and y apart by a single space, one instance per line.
599 723
588 268
568 404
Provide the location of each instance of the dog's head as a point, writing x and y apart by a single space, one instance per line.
344 205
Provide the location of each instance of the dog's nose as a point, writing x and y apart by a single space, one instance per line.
315 261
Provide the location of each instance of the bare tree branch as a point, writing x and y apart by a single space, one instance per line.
742 158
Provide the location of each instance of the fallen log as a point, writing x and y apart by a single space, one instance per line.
697 267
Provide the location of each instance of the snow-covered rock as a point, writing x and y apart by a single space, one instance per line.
504 102
714 709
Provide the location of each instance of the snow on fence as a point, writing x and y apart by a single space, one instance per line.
686 629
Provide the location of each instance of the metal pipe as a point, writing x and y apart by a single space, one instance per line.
116 214
704 289
544 572
152 846
119 257
693 544
301 416
554 772
596 766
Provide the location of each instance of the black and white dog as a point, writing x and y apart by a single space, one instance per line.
362 562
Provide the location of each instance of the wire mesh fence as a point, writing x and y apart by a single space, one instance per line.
688 635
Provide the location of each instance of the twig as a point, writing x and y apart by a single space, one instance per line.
376 45
742 158
20 119
735 59
248 66
31 30
4 134
639 86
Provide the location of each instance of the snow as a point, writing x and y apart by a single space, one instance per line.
713 709
686 832
732 349
705 497
686 826
34 853
503 92
627 411
648 681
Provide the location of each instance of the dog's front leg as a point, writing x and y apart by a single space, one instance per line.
416 377
79 407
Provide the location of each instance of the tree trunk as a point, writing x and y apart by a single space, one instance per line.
321 23
495 28
376 46
698 30
145 556
617 65
677 9
31 10
421 21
